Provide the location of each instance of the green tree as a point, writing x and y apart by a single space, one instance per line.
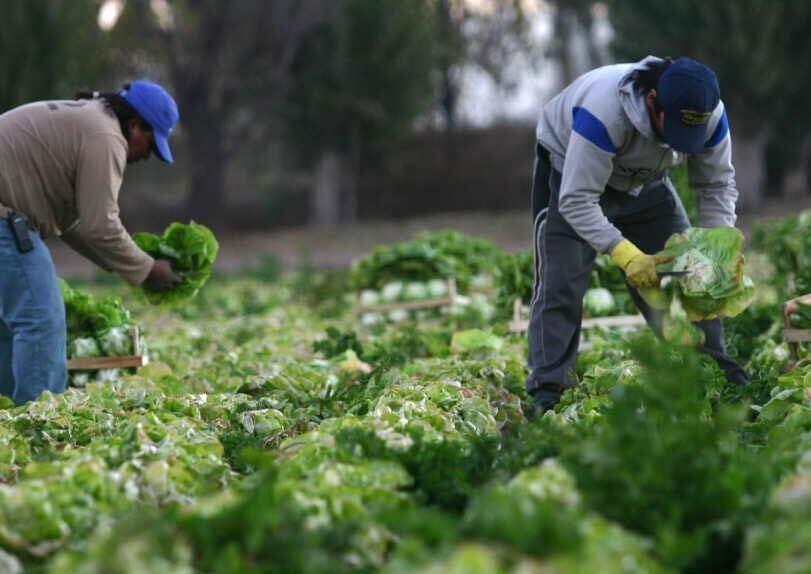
48 49
229 64
358 83
485 36
757 47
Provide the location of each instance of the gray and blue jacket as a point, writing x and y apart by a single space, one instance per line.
598 134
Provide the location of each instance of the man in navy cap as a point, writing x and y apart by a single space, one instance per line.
604 147
61 167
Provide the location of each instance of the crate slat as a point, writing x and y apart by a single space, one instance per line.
96 363
519 325
614 321
124 362
796 335
413 305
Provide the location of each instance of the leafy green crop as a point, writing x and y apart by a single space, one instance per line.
87 316
190 248
271 433
787 243
714 286
430 255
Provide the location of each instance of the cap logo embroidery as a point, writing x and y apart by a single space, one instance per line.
694 117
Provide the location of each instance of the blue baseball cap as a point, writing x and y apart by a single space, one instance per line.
158 108
688 93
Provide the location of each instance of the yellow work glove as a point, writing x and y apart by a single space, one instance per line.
639 267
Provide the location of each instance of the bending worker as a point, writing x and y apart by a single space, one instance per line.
605 144
61 167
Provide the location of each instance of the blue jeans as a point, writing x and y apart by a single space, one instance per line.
32 321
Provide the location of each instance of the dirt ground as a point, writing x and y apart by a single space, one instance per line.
339 246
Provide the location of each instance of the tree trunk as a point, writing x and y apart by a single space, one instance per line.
325 206
208 159
334 193
594 53
748 154
565 24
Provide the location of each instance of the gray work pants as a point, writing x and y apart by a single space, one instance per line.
563 266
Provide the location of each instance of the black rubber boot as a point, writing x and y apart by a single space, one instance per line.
545 397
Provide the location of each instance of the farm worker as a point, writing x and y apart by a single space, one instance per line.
61 167
601 185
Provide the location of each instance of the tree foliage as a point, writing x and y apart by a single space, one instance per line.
48 49
363 76
756 47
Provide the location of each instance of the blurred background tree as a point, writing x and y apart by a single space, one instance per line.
360 80
48 49
324 111
230 66
757 48
486 39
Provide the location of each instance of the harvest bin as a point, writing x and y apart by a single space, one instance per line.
791 335
137 359
446 301
520 325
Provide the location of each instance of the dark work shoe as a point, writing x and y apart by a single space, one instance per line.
545 397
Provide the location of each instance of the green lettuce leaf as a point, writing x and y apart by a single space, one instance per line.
715 285
191 249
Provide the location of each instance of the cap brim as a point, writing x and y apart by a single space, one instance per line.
162 148
684 138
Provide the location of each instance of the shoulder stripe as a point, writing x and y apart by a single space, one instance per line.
721 131
590 127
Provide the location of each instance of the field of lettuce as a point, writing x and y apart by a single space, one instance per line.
275 431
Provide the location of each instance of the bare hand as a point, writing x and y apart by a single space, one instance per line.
161 277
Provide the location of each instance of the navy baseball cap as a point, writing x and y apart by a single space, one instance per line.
688 93
158 108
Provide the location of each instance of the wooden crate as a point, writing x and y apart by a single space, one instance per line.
520 325
447 301
137 359
791 335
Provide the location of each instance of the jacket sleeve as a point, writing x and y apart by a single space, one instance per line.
587 168
75 241
711 174
99 230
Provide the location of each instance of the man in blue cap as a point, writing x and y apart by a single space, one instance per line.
61 167
601 185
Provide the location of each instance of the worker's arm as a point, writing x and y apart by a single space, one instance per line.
75 241
711 174
99 232
587 168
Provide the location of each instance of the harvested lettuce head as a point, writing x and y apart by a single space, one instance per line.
598 301
86 315
116 342
81 378
701 272
84 347
715 285
191 249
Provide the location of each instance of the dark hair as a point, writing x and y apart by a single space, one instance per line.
122 109
648 79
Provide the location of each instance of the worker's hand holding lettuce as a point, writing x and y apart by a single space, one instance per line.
714 285
639 267
190 250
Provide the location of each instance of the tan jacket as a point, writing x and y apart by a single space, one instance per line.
61 164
